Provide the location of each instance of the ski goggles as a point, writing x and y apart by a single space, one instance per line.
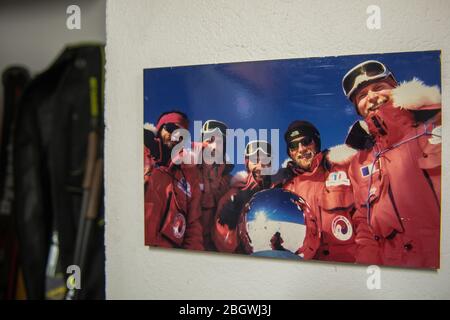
213 125
258 145
305 141
362 73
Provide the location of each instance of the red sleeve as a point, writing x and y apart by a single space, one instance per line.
155 202
224 239
224 199
193 238
367 248
151 204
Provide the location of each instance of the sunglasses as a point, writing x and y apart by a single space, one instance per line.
170 127
305 141
259 145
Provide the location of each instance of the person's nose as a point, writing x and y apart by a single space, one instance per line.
300 147
372 96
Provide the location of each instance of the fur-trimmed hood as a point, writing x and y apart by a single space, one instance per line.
340 154
412 95
150 127
415 95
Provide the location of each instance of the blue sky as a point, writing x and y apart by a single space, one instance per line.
271 94
277 205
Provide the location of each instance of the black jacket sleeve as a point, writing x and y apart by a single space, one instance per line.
232 209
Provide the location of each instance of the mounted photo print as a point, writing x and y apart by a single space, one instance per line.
334 158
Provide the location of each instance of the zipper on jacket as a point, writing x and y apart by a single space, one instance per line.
166 211
391 197
377 124
427 177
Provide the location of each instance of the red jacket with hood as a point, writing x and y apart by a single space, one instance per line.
173 207
397 181
214 183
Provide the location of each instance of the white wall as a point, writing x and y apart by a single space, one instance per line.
144 34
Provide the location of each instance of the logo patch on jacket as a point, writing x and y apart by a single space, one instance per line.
179 225
337 179
370 169
184 186
342 228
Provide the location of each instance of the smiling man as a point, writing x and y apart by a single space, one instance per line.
303 141
173 191
396 177
160 140
320 177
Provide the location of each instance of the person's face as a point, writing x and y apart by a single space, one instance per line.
302 151
372 96
215 144
256 164
167 137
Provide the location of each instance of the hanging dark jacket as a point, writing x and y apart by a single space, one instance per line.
58 110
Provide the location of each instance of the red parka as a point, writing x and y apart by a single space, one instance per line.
172 208
214 182
328 191
397 181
